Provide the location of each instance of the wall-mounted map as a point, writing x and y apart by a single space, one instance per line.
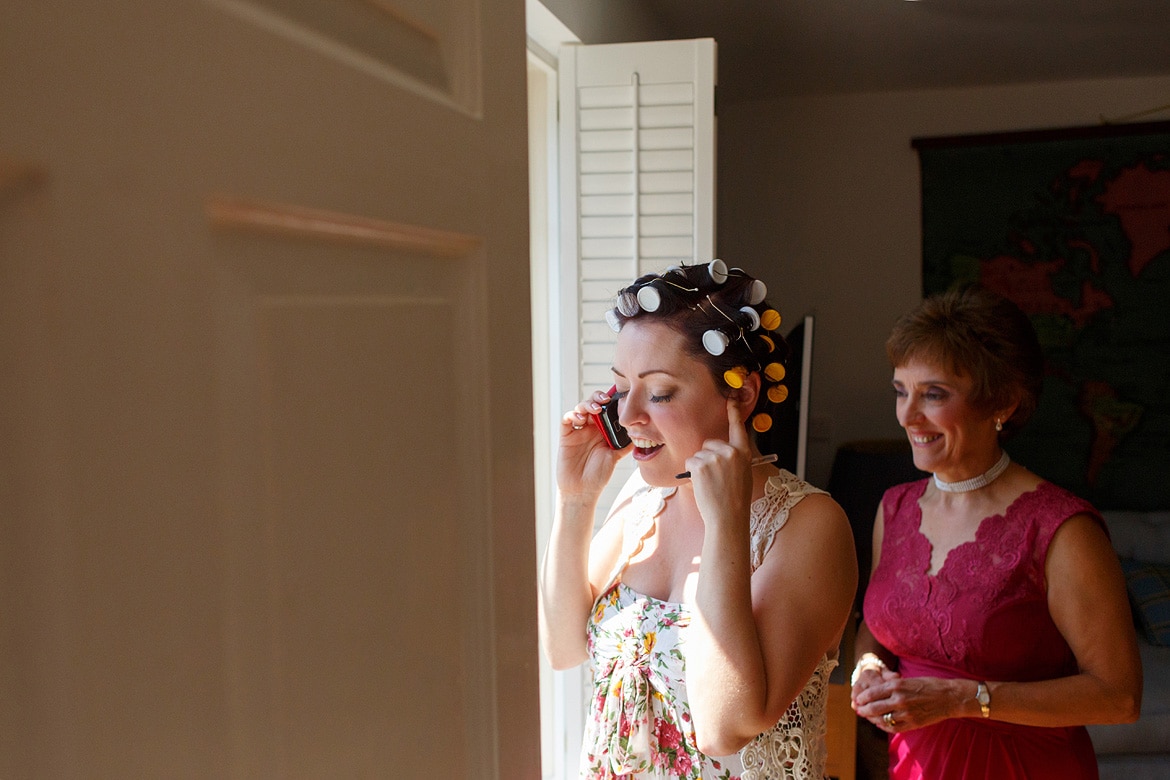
1074 226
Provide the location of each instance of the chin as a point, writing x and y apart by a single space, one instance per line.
929 466
654 476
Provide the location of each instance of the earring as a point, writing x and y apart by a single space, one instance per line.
998 425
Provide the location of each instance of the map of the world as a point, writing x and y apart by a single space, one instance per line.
1074 226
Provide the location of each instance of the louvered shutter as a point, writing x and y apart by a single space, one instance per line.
637 177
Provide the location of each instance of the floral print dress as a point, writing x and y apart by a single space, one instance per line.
640 719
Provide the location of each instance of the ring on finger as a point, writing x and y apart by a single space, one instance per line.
889 719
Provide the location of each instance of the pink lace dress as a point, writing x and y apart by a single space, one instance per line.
982 616
639 720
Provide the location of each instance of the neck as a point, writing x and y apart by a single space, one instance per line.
975 483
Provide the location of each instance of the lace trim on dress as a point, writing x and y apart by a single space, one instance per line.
647 503
923 603
794 749
770 511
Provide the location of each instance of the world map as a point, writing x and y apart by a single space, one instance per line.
1074 227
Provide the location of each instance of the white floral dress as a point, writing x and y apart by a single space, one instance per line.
640 719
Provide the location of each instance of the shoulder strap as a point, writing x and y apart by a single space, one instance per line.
770 511
645 504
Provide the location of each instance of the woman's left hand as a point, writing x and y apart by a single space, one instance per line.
721 472
902 703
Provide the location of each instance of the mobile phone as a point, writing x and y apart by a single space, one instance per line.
607 421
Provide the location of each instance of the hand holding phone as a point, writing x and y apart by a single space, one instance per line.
607 421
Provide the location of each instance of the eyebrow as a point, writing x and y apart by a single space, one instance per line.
644 373
937 382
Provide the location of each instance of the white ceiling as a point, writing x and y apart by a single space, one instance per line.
789 47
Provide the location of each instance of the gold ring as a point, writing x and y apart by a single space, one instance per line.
889 719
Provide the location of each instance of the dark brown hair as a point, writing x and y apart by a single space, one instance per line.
692 303
976 333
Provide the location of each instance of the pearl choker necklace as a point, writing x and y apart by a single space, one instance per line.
981 481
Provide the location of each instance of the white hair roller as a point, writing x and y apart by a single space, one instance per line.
649 298
715 342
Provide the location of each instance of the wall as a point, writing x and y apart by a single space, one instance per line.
606 21
820 196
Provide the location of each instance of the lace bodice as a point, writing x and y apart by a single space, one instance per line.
967 616
640 724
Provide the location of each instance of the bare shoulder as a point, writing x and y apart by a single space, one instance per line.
818 513
1083 574
1080 540
817 530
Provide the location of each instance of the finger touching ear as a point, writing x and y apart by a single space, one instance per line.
736 431
747 395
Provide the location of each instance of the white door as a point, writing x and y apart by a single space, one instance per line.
265 460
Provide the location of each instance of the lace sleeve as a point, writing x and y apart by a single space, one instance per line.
770 511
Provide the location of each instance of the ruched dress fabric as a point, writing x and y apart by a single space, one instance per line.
983 616
639 722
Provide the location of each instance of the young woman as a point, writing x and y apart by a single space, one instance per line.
712 601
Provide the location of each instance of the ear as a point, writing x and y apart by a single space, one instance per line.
746 396
1005 413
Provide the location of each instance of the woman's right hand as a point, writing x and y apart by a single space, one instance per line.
585 462
864 689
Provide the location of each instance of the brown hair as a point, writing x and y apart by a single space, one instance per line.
691 302
979 334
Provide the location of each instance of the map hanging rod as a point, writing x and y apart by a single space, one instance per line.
1130 117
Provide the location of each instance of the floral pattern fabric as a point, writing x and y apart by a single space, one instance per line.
640 725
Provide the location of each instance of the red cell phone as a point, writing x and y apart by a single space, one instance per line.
607 422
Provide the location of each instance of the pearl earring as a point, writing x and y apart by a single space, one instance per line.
998 425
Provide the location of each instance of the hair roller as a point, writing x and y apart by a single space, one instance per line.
627 303
753 317
649 298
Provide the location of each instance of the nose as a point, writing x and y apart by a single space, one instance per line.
631 411
907 411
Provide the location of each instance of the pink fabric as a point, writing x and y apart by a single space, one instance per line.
982 616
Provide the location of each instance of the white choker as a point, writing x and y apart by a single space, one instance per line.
981 481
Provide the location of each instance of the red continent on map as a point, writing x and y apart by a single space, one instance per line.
1030 287
1112 419
1140 198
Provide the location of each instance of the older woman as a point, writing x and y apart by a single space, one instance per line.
996 620
712 601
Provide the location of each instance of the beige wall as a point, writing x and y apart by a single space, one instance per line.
606 21
820 197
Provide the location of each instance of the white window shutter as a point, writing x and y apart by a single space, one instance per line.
637 179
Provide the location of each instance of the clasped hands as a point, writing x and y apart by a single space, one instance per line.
894 703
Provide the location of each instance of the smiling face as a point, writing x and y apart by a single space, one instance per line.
949 435
669 403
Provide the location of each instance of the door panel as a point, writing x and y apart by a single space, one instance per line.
332 346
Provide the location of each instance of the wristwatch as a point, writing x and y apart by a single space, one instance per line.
983 696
